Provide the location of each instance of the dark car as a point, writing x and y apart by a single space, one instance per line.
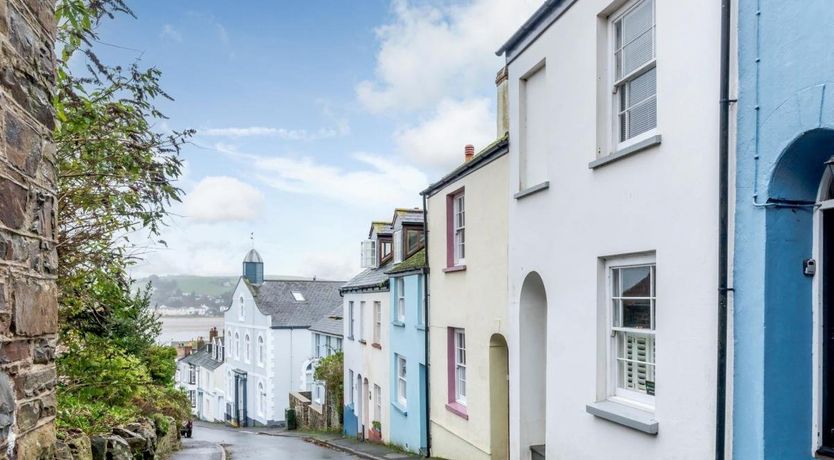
185 429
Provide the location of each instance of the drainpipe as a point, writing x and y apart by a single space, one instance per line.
723 231
428 329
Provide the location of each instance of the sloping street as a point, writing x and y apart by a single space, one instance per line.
245 444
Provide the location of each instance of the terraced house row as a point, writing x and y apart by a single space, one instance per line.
637 267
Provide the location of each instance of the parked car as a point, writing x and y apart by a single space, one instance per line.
185 428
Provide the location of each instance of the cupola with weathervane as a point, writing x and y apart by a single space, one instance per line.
253 267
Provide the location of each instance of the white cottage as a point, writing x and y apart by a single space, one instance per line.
613 241
202 375
268 341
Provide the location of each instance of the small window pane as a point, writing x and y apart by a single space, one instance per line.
636 282
637 314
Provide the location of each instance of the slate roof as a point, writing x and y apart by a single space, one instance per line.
415 262
496 149
330 324
371 278
202 358
274 298
409 215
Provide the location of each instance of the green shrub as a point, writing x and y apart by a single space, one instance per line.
91 417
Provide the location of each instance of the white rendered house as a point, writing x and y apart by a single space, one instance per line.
613 218
268 341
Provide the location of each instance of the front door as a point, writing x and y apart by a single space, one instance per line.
827 335
240 399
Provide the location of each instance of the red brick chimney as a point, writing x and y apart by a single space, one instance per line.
469 152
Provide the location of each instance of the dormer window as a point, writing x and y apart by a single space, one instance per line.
386 249
299 297
413 241
398 246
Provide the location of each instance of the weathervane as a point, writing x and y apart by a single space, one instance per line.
252 237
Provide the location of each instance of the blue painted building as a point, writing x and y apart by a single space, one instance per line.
782 374
408 394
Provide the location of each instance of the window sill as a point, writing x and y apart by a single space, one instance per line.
398 323
420 327
630 417
362 341
377 346
457 409
532 190
350 337
455 268
399 408
626 152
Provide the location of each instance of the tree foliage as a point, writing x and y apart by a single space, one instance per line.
117 173
330 369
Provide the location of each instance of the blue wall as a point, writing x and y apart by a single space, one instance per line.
350 422
408 424
784 134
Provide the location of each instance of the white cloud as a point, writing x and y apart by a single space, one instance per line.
439 141
223 199
378 183
169 32
435 51
342 129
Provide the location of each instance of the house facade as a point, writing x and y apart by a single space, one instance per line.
327 340
408 383
366 311
783 315
268 341
467 223
202 374
613 217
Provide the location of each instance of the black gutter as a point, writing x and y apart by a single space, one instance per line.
723 231
428 328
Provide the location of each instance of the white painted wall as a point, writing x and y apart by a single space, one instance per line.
364 359
662 200
286 351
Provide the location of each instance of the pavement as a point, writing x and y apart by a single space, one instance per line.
219 442
359 449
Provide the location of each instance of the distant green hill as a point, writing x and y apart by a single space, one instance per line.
190 291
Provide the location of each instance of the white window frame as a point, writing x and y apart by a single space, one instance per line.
237 345
400 299
377 321
247 347
261 399
459 228
616 84
630 397
241 309
460 365
351 322
361 320
402 381
369 257
350 386
377 403
261 350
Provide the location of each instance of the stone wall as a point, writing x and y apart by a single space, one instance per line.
312 416
28 296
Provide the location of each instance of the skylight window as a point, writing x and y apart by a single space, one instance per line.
298 296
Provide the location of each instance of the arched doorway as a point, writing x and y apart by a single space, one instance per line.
499 394
533 366
799 229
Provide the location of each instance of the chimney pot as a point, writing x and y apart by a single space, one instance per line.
469 152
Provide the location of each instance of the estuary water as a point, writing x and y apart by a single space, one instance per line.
181 328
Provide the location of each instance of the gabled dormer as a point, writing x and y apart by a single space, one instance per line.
378 249
407 233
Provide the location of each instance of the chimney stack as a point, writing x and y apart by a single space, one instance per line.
212 334
469 152
502 111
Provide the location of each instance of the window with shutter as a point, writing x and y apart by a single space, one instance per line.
632 327
635 70
369 254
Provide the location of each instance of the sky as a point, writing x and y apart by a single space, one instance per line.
313 117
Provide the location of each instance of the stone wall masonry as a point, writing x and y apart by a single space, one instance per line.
28 260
